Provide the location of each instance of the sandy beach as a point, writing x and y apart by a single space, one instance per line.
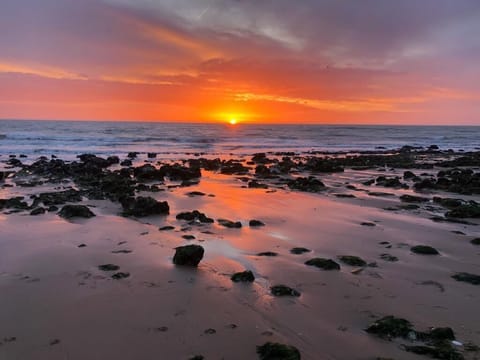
57 304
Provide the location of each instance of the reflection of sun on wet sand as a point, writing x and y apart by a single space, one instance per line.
301 252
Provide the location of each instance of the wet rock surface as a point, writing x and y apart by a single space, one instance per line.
424 250
283 290
352 260
75 211
188 255
244 276
230 224
144 206
276 351
324 264
473 279
195 216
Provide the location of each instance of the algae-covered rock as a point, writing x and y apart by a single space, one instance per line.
276 351
324 264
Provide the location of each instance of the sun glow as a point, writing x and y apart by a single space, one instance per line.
233 121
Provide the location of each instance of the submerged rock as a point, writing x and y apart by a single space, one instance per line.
283 290
194 215
413 199
310 184
390 327
255 223
388 257
276 351
108 267
467 277
267 253
37 211
424 250
189 255
244 276
352 260
229 223
166 228
324 264
120 275
470 210
144 206
475 241
299 250
73 211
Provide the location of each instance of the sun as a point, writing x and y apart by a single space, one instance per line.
233 121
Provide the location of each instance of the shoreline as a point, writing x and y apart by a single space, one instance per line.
55 290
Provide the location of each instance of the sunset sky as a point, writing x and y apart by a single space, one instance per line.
305 61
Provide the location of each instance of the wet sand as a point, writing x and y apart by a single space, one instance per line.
57 304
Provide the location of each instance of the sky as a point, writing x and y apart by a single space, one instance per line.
305 61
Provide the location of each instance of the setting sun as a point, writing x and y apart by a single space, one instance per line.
233 121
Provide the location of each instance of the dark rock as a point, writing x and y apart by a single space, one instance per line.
256 185
413 199
73 211
195 216
408 175
352 260
151 155
388 257
148 172
57 198
345 196
232 167
390 327
475 241
324 264
52 208
276 351
254 223
244 276
299 250
324 165
230 224
470 210
210 331
467 277
120 275
178 172
424 250
189 255
132 155
267 253
282 290
82 245
126 162
167 228
38 211
14 203
197 357
108 267
144 206
310 184
261 158
368 224
449 203
188 237
195 193
390 182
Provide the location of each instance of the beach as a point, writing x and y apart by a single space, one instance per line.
366 212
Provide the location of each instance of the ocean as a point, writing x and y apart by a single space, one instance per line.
69 138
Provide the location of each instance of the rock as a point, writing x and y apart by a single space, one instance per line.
108 267
189 255
368 224
52 208
388 257
144 206
449 203
390 327
345 196
57 198
148 172
188 237
413 199
324 264
74 211
408 175
244 276
166 228
232 167
276 351
299 250
352 260
255 223
475 241
230 224
126 162
197 357
38 211
424 250
14 203
310 184
267 253
178 172
195 193
194 216
467 277
256 185
390 182
283 290
151 155
82 245
120 275
470 210
132 155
